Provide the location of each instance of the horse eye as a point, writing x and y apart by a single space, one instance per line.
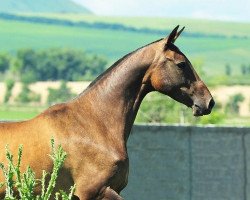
181 65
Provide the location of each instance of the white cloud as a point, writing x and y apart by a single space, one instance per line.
208 9
205 15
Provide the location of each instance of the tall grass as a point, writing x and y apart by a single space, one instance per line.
26 183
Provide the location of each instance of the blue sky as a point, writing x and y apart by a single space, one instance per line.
229 10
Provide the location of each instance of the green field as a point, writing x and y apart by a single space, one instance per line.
25 112
10 112
192 25
213 52
16 35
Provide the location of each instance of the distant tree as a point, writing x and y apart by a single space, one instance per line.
228 70
68 65
29 77
248 69
62 94
27 96
5 60
243 69
57 64
26 65
9 86
233 103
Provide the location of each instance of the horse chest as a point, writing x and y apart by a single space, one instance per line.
91 166
119 177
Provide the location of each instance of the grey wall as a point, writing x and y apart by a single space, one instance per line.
188 163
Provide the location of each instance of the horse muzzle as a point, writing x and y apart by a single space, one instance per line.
200 110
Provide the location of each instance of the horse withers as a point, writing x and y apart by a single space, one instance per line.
94 127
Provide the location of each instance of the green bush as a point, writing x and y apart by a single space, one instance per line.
159 108
27 95
215 117
25 183
9 86
228 70
233 106
58 64
30 65
5 60
62 94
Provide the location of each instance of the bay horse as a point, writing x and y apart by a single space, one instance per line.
94 127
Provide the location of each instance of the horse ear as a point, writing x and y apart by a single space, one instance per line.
174 35
178 34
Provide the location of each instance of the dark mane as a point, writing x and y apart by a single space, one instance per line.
118 62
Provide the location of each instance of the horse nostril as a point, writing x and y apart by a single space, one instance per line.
211 104
195 105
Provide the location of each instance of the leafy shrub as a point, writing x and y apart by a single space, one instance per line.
158 108
5 60
228 70
27 95
215 117
58 64
62 94
9 86
25 183
233 106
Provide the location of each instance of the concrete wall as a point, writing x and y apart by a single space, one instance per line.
188 163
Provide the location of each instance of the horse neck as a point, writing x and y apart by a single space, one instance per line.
116 96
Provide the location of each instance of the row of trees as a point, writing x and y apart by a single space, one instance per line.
52 64
29 65
101 25
62 94
244 69
156 108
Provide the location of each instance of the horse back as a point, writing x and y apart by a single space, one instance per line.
34 135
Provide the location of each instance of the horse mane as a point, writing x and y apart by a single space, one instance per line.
118 62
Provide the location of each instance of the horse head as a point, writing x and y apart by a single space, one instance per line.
172 74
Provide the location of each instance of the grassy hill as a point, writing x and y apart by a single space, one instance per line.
212 52
192 25
53 6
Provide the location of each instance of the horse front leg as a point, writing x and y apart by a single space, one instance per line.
107 194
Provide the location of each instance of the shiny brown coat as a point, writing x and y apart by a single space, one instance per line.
94 127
